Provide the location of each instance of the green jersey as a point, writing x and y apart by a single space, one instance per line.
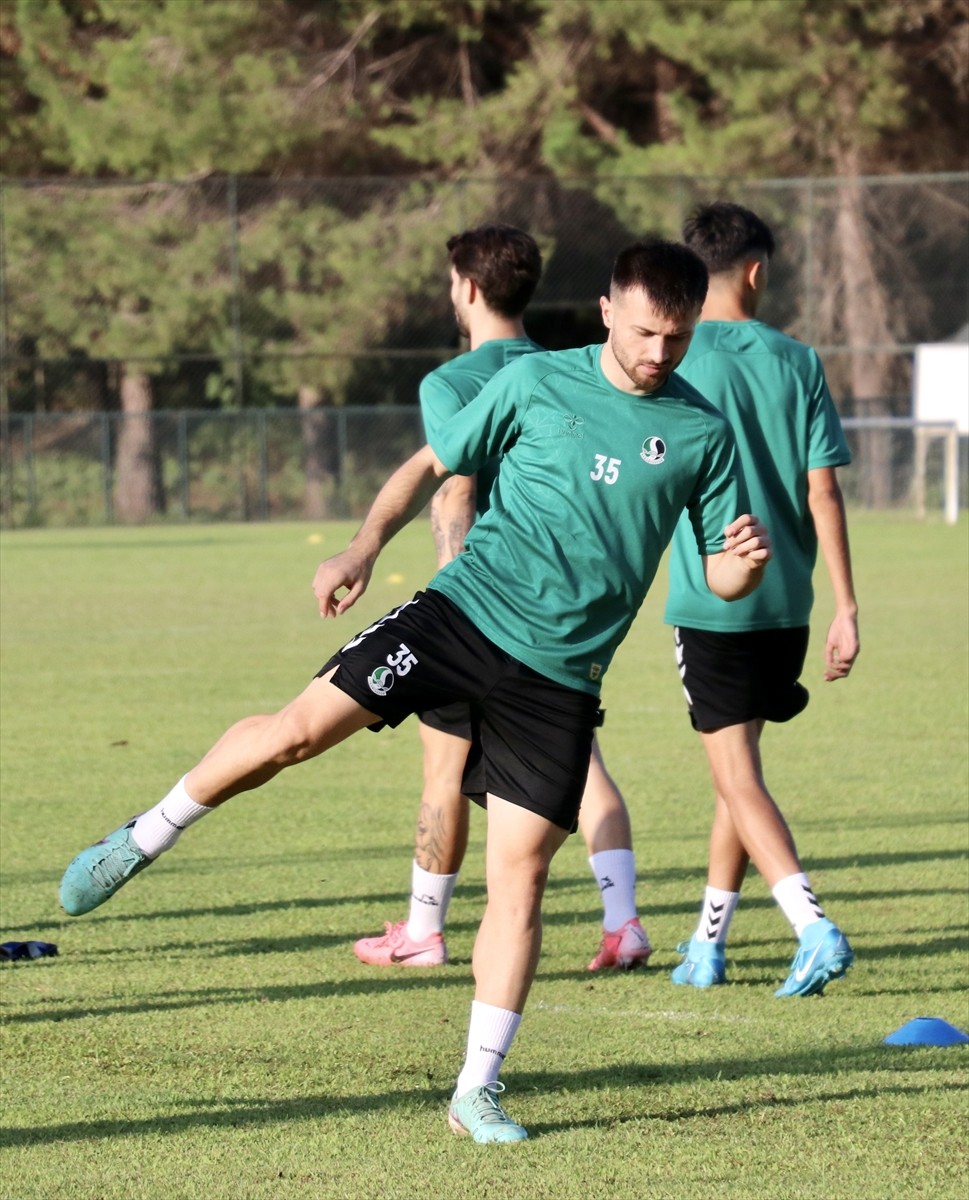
592 483
448 388
773 392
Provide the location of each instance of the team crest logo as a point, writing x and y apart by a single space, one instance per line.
653 451
381 681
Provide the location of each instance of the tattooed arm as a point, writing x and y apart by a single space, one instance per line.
452 515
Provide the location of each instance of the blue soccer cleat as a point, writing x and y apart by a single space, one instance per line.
479 1114
100 870
703 965
822 955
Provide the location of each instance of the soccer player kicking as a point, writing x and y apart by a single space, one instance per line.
740 663
603 447
494 272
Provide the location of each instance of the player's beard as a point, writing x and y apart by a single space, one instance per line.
462 324
640 379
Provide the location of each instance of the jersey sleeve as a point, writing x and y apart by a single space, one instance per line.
721 493
439 402
485 428
826 440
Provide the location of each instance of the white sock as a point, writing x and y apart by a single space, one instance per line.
615 873
798 903
490 1035
718 907
157 829
430 896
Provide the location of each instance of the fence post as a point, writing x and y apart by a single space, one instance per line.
263 464
236 287
181 429
106 465
29 464
341 454
952 475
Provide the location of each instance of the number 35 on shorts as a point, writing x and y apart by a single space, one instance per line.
402 661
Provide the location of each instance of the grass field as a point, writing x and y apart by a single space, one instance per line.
209 1033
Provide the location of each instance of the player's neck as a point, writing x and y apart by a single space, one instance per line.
729 298
490 327
726 308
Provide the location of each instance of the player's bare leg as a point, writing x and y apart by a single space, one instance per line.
256 749
748 826
605 827
735 765
442 824
519 849
247 755
439 847
603 817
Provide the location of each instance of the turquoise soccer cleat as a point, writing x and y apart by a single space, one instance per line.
479 1114
822 955
100 870
703 965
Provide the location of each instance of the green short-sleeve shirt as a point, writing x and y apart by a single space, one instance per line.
772 390
449 387
591 486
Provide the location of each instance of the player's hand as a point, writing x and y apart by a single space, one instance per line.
350 569
747 538
841 647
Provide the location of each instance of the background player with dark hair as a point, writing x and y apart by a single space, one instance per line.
740 663
494 272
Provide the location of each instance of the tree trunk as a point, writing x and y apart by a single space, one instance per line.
137 490
321 464
866 327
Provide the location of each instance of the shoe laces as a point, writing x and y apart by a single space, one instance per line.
486 1105
114 865
394 932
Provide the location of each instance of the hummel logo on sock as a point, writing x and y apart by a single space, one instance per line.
813 901
713 922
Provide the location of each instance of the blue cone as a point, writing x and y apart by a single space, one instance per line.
926 1031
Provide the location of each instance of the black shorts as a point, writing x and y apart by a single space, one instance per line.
457 720
531 737
449 718
732 678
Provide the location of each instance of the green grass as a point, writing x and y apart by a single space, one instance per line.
209 1033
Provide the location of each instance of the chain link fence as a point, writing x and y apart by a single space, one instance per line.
59 469
252 348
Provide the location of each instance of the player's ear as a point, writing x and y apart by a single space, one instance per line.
755 274
605 307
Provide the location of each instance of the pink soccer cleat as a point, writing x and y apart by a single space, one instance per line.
625 949
396 949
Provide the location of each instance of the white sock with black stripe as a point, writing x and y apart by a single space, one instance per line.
718 908
798 903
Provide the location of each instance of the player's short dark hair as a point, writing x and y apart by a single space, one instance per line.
672 276
504 262
725 235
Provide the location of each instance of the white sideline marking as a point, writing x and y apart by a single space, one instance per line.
660 1014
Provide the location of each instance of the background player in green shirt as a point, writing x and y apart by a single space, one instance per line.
740 662
602 449
494 272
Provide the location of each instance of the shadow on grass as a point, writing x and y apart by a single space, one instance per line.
818 1066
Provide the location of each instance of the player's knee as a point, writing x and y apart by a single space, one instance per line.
294 738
